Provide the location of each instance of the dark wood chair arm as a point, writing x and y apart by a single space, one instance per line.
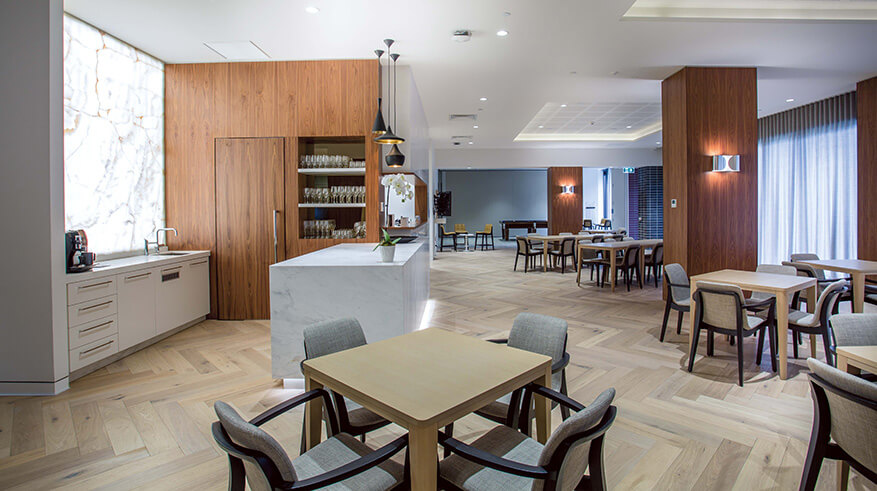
351 469
555 396
294 402
498 341
489 460
561 363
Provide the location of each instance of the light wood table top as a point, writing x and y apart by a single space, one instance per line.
615 246
779 285
854 359
423 381
857 268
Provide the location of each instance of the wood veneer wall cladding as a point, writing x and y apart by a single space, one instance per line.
564 210
710 111
866 125
266 99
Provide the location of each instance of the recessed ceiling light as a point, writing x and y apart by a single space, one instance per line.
475 126
483 99
657 143
468 167
312 10
541 126
790 100
502 33
629 126
563 105
471 143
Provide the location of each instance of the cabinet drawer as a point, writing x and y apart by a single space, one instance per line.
91 310
84 291
94 330
94 351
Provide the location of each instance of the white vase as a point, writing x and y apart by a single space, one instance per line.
387 253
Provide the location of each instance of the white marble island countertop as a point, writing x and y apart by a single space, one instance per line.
356 255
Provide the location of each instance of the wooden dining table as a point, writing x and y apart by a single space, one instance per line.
858 269
547 239
611 248
779 285
423 381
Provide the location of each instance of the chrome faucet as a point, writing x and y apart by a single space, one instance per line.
157 243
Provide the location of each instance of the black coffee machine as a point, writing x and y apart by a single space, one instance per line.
78 257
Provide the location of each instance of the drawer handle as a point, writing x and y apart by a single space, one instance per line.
92 350
171 269
100 305
102 283
136 276
92 328
199 262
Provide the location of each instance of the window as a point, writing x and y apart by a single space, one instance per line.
113 139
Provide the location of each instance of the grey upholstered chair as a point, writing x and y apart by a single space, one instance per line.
679 296
541 334
653 262
340 461
720 309
332 336
508 460
810 271
853 330
567 249
817 322
530 253
844 424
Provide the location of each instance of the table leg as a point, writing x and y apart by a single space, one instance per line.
782 304
423 448
843 475
692 288
544 256
578 259
642 262
543 409
811 308
844 366
313 415
612 258
858 292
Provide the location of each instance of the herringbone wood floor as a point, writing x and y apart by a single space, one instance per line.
143 422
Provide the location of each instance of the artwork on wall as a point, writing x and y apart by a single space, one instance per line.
113 139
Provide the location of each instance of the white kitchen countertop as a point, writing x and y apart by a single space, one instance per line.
133 263
354 254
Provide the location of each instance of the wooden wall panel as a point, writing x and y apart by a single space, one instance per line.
866 100
564 210
718 223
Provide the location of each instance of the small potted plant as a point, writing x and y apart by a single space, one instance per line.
387 246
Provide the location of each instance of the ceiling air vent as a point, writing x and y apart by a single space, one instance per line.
462 35
460 139
462 117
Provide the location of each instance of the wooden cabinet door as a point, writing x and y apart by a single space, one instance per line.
250 228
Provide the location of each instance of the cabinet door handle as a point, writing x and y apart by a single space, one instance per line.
100 305
95 285
274 220
136 276
199 262
168 270
91 350
107 323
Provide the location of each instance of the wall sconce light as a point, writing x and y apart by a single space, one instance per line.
569 189
726 163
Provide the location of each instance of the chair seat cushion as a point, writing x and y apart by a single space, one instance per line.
342 449
802 318
684 302
501 441
752 322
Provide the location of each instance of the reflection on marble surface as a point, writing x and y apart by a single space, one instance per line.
113 139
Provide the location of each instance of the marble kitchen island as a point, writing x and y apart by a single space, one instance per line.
346 280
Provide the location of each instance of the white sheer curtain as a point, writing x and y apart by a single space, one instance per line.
807 181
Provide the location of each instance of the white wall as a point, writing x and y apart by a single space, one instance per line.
618 184
512 158
411 123
592 193
33 329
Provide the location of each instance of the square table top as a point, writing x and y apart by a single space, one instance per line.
844 265
621 244
426 377
756 281
864 355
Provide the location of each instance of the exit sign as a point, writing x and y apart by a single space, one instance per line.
629 170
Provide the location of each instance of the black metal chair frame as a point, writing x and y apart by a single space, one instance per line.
821 447
559 254
528 254
596 479
739 333
237 454
671 304
443 235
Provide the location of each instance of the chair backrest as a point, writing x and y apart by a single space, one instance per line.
523 245
253 438
568 246
587 223
541 334
719 304
597 238
570 443
852 408
807 256
332 336
854 329
622 231
658 254
803 256
677 281
488 228
772 269
442 227
631 256
827 299
806 270
460 228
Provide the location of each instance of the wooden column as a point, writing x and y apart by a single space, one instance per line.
866 101
714 225
564 210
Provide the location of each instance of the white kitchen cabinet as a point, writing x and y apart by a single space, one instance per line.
198 287
136 310
171 298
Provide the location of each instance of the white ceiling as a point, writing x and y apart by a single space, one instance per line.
596 121
575 51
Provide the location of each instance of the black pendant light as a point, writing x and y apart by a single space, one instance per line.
389 138
394 157
379 128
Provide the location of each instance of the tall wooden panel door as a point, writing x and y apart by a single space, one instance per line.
250 230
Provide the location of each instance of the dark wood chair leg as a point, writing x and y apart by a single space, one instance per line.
795 341
679 323
740 361
819 435
516 262
827 348
596 471
564 411
693 350
666 317
772 339
710 343
237 477
759 347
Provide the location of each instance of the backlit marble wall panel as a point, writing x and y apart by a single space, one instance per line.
113 139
